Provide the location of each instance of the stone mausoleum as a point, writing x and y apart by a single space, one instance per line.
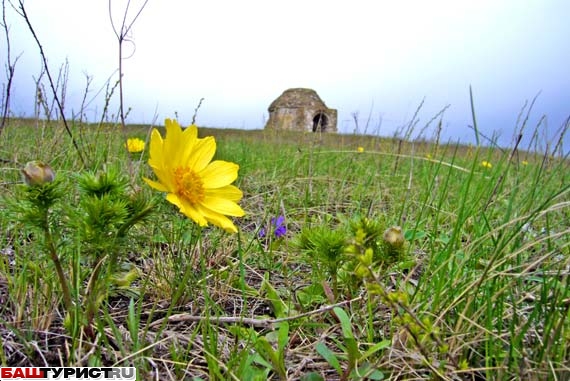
301 110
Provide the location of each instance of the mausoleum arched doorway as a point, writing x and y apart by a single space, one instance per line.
320 122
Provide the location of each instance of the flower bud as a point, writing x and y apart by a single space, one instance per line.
37 173
394 237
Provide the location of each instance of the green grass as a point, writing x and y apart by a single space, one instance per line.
481 292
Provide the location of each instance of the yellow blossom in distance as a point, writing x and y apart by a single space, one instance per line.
486 164
524 162
360 149
198 186
134 145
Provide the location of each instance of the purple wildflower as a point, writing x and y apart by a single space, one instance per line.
280 228
278 225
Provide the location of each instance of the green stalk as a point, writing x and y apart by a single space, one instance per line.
55 259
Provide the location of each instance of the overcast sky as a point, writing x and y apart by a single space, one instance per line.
377 58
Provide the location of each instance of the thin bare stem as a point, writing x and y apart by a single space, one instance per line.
262 323
414 121
88 80
561 133
53 88
10 69
438 115
121 35
196 110
475 128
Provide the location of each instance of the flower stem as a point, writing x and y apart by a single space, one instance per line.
58 268
93 291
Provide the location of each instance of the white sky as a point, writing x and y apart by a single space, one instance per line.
378 57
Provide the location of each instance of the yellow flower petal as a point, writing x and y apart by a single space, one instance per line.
164 177
156 185
202 154
219 173
223 206
226 224
156 145
174 145
230 192
218 219
187 209
189 142
190 133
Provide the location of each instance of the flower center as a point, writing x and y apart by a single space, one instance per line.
189 185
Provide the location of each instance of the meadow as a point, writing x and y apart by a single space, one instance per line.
358 258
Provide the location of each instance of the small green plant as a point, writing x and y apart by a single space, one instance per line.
359 368
349 253
269 355
374 247
35 209
85 244
105 215
325 248
275 356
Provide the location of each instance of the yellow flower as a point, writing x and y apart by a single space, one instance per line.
37 173
524 162
486 164
199 187
134 145
360 149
